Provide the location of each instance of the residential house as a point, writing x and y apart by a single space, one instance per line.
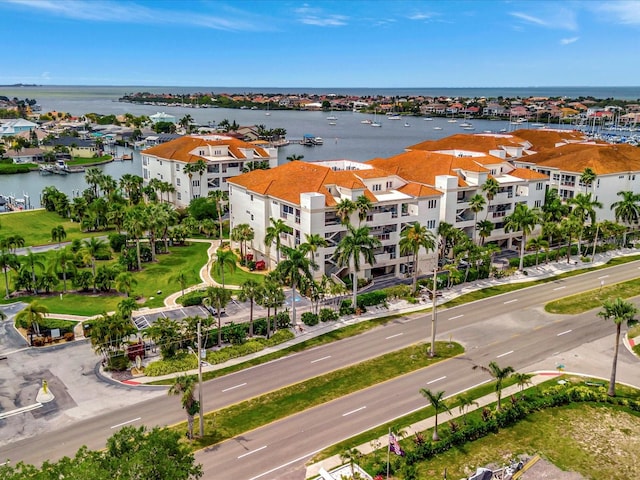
14 126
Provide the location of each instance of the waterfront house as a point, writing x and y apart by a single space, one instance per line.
15 126
162 117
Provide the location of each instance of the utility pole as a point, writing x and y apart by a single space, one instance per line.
432 351
200 379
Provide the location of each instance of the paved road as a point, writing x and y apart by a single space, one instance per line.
511 328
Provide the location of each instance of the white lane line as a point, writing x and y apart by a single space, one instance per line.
320 359
353 411
234 387
564 333
457 316
559 288
511 301
394 336
124 423
505 354
436 380
603 276
252 451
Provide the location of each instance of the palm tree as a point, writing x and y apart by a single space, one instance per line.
465 401
181 278
584 209
523 219
587 177
225 259
271 296
363 205
295 158
8 261
490 188
94 248
499 374
537 244
33 315
218 298
33 260
64 262
355 244
295 268
484 229
436 399
344 209
627 210
314 241
219 198
476 205
522 379
251 291
567 227
125 282
58 234
190 169
135 223
92 176
351 456
412 239
273 233
619 311
126 307
185 385
242 234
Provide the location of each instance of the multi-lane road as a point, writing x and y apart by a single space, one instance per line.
511 329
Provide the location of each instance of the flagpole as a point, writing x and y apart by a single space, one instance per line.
388 451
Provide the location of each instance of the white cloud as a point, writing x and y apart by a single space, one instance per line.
625 11
317 17
129 12
558 18
420 16
568 41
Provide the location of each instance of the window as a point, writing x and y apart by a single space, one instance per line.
538 204
431 224
177 182
389 185
556 176
179 196
539 186
177 167
432 203
196 183
286 210
377 187
252 197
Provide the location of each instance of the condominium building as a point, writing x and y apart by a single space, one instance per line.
223 157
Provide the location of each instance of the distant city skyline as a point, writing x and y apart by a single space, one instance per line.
321 44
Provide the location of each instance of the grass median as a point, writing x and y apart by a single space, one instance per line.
583 302
256 412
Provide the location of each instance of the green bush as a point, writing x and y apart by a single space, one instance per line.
191 298
309 318
118 363
370 299
328 315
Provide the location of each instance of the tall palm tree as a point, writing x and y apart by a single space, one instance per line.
273 233
58 234
587 178
92 176
218 298
584 208
135 223
523 219
476 205
295 268
363 205
64 263
568 226
94 248
344 209
219 198
355 244
436 399
190 169
251 291
522 379
619 311
537 244
8 261
350 456
499 375
627 210
271 296
33 261
412 239
313 242
184 385
484 229
224 260
490 188
295 158
125 283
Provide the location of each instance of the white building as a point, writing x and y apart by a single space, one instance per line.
162 117
224 157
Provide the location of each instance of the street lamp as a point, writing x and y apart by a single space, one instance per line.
198 356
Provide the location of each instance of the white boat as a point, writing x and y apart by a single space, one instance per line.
407 124
332 123
437 128
470 127
332 117
452 120
366 122
318 141
428 119
375 124
394 117
465 124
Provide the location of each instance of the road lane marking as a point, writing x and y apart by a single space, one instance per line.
603 276
511 301
457 316
320 359
124 423
235 386
252 451
505 354
559 288
436 380
564 333
354 411
295 460
393 336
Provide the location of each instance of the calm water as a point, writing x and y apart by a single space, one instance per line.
348 139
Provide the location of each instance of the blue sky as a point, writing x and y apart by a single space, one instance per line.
316 44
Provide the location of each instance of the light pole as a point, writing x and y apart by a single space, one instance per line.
432 351
199 355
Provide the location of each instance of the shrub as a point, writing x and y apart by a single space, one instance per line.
117 241
69 336
283 319
192 298
372 298
118 362
346 308
328 314
309 318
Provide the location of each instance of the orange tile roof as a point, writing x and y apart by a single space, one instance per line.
602 159
541 139
419 190
471 142
180 148
528 174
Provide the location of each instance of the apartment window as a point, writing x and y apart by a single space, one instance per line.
160 162
286 210
177 167
539 186
252 197
377 187
177 182
297 218
432 203
389 185
179 196
621 177
217 152
537 204
556 176
196 183
252 217
431 224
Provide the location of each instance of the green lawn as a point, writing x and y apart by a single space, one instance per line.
238 277
35 227
591 299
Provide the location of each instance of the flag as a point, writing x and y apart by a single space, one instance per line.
394 446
